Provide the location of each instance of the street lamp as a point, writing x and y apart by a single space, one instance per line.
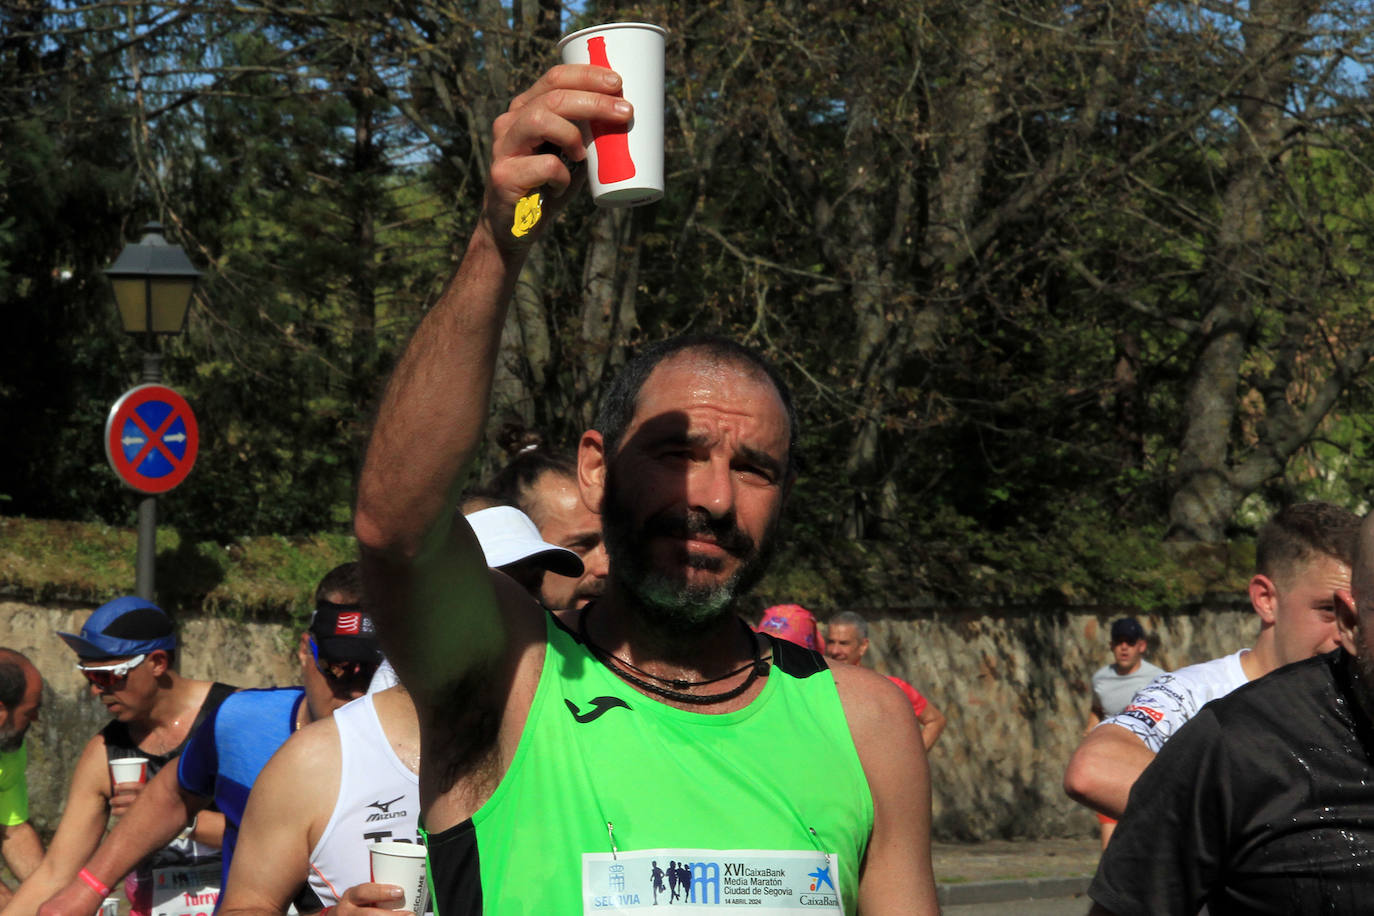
152 282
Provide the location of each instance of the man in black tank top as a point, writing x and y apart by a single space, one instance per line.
127 651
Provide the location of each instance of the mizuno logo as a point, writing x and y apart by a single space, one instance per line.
384 807
599 707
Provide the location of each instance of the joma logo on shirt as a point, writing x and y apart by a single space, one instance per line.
599 707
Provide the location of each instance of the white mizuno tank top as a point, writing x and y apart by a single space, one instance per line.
379 799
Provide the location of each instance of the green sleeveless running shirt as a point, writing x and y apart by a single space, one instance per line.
615 802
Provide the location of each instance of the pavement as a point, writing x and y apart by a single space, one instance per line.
1004 871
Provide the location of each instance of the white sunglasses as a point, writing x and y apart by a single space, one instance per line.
106 675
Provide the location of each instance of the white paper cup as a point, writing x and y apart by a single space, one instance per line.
129 769
401 864
109 906
624 167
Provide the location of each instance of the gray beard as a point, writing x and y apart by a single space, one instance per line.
666 602
669 604
677 607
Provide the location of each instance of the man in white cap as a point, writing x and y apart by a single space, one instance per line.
347 781
542 483
513 544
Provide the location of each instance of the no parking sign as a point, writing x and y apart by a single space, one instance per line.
151 438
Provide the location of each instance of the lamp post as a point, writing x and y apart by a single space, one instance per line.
152 282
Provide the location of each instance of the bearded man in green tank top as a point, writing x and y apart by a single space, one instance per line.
567 756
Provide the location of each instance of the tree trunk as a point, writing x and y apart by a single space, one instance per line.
609 275
526 349
1206 495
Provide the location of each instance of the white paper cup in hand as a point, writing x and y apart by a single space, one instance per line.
624 167
401 864
129 769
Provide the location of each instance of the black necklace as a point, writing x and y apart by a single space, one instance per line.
673 688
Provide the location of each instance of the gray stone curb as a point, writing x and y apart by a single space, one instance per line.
1016 889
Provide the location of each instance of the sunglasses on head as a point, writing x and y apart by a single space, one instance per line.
110 677
341 671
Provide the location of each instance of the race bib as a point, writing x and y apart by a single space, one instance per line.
707 880
185 890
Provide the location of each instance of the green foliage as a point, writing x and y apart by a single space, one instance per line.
1091 562
267 577
989 245
1087 559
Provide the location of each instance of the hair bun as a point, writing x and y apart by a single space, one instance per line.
514 437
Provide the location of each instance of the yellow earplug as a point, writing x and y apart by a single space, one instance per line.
528 210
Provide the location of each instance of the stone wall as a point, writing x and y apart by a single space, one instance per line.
1014 685
1016 688
244 654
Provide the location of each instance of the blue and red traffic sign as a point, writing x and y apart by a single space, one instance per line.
151 438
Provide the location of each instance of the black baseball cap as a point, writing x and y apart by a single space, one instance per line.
344 632
1127 629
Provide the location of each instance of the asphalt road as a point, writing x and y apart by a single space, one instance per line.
1050 906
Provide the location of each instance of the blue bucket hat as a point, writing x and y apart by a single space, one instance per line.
122 627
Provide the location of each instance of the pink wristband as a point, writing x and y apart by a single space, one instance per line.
93 883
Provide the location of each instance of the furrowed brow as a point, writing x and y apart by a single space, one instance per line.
762 459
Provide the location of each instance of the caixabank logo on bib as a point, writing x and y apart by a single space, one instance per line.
817 896
696 880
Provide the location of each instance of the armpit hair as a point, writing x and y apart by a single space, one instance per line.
463 723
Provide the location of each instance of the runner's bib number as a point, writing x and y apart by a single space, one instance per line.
186 890
707 880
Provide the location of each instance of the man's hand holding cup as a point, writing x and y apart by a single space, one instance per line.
127 778
370 899
535 142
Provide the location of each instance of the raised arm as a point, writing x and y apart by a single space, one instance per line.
84 815
289 806
1105 766
425 574
897 876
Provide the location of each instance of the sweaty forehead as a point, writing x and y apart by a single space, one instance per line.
552 492
695 379
1319 571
